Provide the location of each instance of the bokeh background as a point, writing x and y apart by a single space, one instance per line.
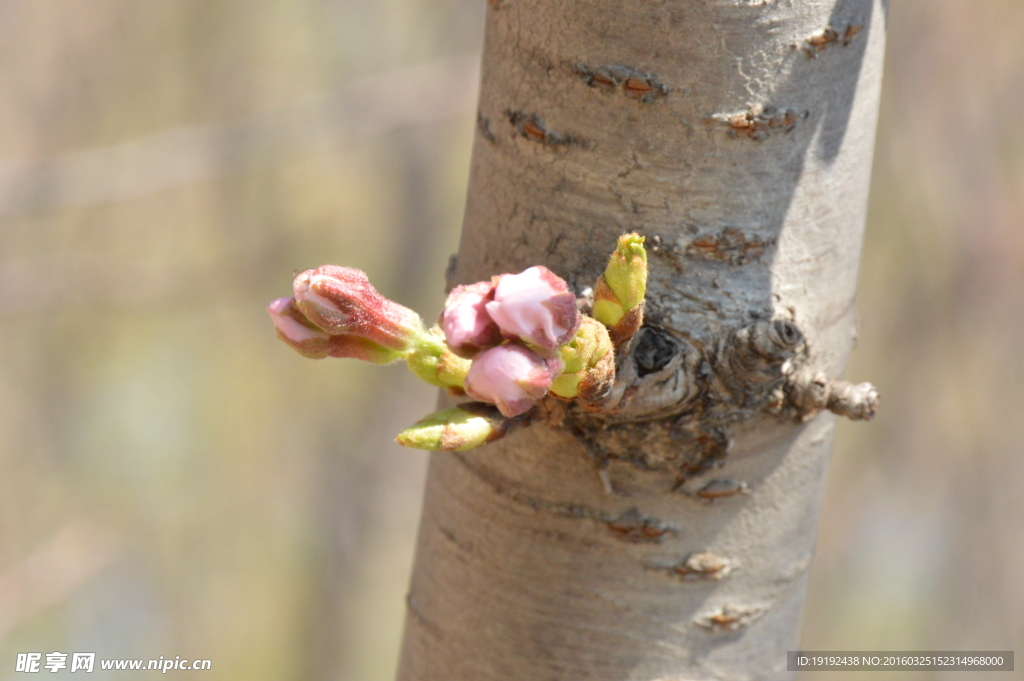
175 482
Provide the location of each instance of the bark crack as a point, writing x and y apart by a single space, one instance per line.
639 85
703 566
630 526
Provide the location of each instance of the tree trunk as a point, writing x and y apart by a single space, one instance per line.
670 538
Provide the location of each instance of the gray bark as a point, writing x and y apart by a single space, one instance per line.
669 538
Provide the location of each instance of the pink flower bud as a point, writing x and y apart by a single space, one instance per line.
341 300
295 330
512 377
468 328
309 341
536 307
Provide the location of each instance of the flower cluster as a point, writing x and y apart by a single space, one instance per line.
511 328
507 342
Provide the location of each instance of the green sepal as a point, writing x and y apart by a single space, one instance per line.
432 361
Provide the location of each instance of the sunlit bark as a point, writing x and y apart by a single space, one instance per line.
671 540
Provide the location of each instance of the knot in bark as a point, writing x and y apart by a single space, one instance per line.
657 375
751 359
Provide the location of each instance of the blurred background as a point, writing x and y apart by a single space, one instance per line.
175 482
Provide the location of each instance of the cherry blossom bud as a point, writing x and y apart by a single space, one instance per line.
432 361
588 360
341 300
454 430
468 328
309 341
535 306
296 331
512 377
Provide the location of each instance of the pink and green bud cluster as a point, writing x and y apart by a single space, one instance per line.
507 342
511 328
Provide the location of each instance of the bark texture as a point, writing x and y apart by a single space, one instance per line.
669 537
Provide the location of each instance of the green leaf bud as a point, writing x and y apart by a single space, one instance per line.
581 356
623 285
452 430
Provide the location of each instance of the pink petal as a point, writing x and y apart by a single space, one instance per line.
297 331
468 328
535 306
510 376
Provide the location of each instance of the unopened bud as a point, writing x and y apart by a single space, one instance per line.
468 328
536 307
453 430
310 341
511 376
341 300
623 285
434 362
296 331
584 369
